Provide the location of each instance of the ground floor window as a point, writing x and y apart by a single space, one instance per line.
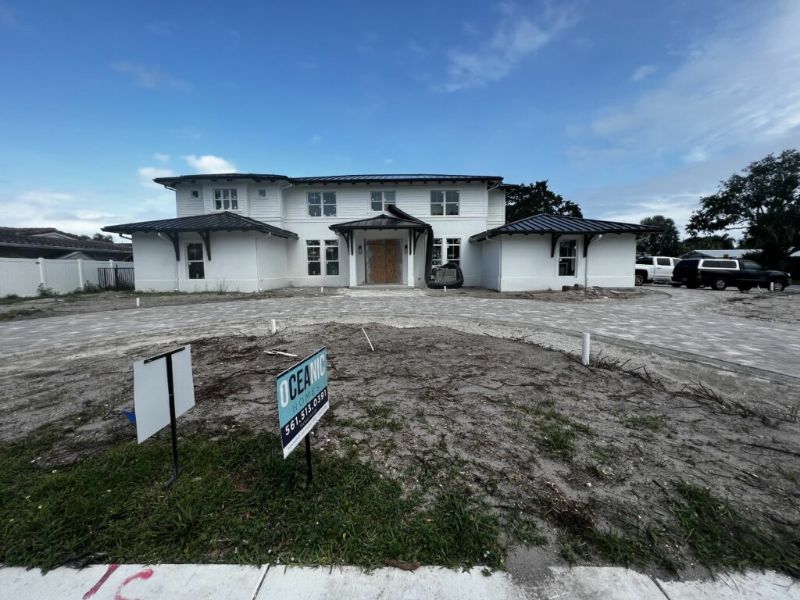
194 258
448 249
567 258
331 257
454 250
437 252
314 262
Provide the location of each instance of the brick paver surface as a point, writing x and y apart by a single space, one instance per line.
681 320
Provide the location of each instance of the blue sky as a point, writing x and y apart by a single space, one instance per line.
629 108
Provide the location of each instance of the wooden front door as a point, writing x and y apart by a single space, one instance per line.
383 261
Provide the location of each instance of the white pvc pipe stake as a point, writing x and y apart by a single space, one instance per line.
274 327
445 289
771 286
585 345
368 340
138 302
321 290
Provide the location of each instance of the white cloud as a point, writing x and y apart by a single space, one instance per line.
315 140
643 71
515 37
147 174
740 89
48 208
161 157
149 77
209 164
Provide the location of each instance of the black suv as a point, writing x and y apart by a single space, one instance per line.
719 273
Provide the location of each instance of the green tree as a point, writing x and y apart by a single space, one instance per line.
663 243
102 237
536 198
707 242
763 201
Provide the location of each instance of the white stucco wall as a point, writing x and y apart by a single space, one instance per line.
490 262
526 263
240 261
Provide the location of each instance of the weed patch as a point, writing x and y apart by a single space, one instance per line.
654 423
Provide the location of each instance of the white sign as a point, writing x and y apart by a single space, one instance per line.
151 392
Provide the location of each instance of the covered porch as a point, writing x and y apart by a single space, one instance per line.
215 252
385 250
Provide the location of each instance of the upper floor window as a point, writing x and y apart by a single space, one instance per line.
226 199
444 202
380 200
195 193
321 204
262 193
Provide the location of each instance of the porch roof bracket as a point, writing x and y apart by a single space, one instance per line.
206 237
417 235
553 243
588 238
173 236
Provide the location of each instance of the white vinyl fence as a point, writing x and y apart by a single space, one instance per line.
23 276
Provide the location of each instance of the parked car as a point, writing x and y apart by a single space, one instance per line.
655 268
718 273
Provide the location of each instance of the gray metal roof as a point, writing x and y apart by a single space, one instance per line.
221 221
396 178
53 239
380 222
326 179
559 224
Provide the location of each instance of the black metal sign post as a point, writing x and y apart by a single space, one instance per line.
308 457
173 425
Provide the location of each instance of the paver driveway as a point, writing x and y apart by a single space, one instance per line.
673 319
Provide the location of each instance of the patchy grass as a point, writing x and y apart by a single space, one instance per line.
720 537
557 432
238 501
654 423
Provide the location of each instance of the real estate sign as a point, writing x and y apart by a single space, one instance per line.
302 398
151 390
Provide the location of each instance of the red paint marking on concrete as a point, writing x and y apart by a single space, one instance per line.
96 587
143 574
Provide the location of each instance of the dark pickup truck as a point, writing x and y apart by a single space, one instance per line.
719 273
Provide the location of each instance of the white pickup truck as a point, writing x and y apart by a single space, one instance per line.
656 269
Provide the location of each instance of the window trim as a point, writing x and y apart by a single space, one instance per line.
233 197
331 244
191 261
321 204
444 202
444 250
456 261
309 245
572 258
383 199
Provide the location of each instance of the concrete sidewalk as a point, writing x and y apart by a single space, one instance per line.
235 582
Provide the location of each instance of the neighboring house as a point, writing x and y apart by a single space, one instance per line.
48 242
250 232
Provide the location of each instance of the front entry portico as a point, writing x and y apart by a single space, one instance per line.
383 250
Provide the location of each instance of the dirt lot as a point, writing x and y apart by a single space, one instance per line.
594 459
764 306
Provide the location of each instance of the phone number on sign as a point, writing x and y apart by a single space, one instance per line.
308 410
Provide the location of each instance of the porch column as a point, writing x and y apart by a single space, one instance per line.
410 258
351 255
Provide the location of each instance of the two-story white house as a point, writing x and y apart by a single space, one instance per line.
251 232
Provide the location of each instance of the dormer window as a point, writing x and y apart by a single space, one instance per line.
226 199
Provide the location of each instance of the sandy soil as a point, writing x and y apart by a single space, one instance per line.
783 307
529 429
